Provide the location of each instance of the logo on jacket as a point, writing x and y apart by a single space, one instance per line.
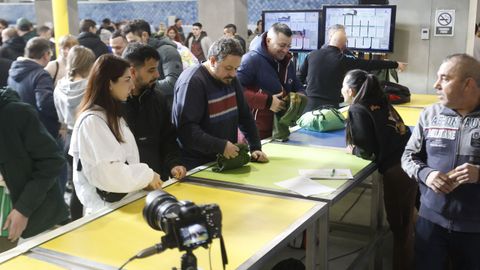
290 81
475 139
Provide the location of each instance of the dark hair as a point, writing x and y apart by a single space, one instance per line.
177 35
177 19
36 48
117 33
4 23
86 24
43 29
137 27
107 68
137 53
106 21
223 47
199 25
366 86
231 27
281 28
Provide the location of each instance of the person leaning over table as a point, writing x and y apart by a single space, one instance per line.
443 155
209 107
105 156
376 132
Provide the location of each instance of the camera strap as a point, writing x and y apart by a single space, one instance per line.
223 250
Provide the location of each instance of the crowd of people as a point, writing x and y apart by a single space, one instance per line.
123 108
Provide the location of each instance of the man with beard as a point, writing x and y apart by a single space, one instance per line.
209 107
148 116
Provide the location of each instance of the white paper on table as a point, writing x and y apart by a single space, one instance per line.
326 173
304 186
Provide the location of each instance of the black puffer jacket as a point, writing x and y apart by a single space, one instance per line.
93 42
148 118
170 66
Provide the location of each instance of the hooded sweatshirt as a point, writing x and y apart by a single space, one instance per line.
35 87
170 65
12 48
67 97
30 162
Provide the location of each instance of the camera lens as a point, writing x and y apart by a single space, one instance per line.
157 205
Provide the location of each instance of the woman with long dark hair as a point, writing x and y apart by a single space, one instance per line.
375 131
105 155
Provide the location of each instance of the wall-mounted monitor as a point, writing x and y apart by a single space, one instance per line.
370 28
305 25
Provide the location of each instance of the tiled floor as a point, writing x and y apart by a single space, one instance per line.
345 246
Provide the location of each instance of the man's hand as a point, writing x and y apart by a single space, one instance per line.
402 66
440 182
465 173
231 150
156 182
259 156
178 172
277 103
15 224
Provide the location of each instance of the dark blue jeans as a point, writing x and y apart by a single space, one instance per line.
435 246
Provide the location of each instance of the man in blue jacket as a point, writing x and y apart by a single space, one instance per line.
443 155
268 74
34 84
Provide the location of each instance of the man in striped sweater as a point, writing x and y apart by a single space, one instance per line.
209 107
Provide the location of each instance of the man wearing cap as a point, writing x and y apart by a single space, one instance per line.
25 29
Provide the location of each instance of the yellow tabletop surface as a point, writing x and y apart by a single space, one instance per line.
23 262
409 115
285 161
250 222
419 101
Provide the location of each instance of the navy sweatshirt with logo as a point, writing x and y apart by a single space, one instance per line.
441 141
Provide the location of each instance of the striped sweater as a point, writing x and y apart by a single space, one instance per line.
207 114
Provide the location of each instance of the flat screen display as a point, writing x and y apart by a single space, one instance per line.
305 25
370 28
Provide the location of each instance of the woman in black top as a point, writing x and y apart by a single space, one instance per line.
375 131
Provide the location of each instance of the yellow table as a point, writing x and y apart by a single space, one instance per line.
409 115
24 262
254 227
285 161
419 101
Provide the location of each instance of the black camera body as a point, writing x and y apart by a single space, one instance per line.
186 225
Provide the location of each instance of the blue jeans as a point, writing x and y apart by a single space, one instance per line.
435 246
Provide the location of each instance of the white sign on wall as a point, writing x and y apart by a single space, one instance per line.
444 22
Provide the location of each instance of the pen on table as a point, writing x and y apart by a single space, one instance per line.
333 173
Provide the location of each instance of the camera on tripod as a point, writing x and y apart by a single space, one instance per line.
185 224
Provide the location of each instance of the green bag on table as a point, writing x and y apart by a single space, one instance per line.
283 120
322 120
233 163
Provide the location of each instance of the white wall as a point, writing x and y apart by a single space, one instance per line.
215 14
425 56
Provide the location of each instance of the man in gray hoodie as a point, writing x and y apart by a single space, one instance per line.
170 65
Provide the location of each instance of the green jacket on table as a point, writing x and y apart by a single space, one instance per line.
30 162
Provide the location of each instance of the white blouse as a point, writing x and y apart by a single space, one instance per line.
104 160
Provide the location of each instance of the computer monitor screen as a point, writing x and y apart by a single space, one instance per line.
370 28
305 25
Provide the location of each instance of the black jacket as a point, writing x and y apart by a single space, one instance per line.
5 65
30 162
170 66
93 42
35 87
148 117
13 48
324 70
378 133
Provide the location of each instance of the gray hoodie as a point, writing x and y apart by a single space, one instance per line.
67 97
